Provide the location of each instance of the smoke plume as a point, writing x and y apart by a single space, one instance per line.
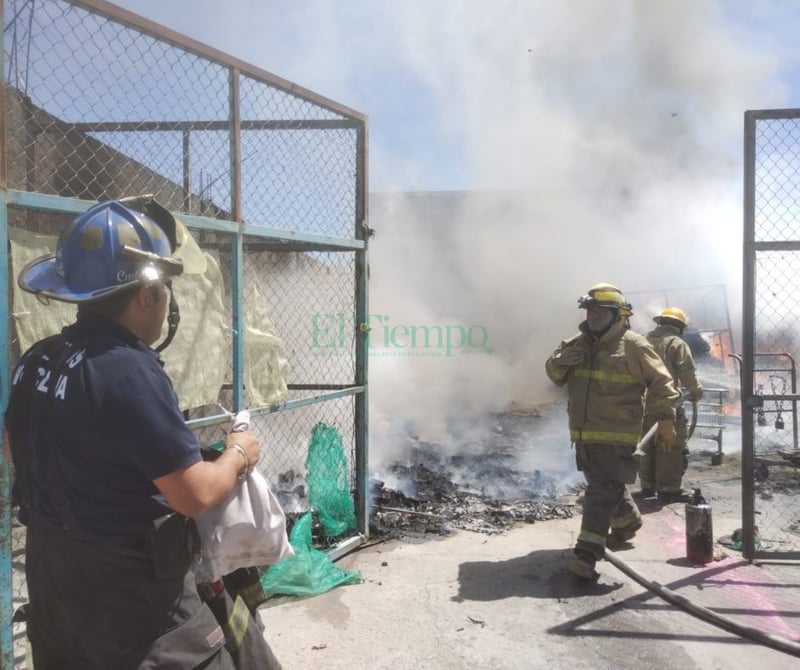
521 152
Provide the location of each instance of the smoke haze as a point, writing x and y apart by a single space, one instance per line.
521 152
614 131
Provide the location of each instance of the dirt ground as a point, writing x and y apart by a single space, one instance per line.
504 601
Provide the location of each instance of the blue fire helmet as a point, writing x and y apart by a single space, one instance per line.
103 251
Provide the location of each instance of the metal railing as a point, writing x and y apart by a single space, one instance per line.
710 422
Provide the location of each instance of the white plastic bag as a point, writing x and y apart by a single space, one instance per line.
247 530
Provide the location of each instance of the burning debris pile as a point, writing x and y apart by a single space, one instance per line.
480 492
506 469
397 515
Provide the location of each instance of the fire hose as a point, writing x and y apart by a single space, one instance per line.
773 641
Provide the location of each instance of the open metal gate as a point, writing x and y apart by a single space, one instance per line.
771 335
270 181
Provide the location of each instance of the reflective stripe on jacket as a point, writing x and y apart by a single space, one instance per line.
620 378
677 357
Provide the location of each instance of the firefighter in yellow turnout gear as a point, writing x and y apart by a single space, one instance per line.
661 472
614 377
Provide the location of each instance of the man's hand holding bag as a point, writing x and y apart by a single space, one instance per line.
247 530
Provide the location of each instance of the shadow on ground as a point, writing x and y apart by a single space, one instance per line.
539 574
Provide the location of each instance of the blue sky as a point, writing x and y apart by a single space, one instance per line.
621 116
465 93
620 121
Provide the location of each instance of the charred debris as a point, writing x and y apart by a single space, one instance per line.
481 489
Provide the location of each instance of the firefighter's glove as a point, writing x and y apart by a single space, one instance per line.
666 437
568 357
695 396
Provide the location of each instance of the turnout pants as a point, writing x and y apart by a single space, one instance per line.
244 633
98 607
607 503
663 472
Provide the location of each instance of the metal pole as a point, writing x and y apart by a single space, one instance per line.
187 171
236 145
361 409
6 571
794 400
237 251
748 339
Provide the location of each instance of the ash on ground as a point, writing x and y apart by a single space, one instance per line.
479 492
777 471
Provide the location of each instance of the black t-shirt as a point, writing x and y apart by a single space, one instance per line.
111 419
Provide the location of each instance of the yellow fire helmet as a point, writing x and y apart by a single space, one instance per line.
673 313
605 295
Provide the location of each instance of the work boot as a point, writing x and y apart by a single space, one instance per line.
644 493
619 537
583 566
667 497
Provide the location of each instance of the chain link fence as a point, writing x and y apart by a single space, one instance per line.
771 459
269 181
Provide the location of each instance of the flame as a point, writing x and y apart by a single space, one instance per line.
720 350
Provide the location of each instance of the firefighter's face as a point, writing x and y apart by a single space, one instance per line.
598 319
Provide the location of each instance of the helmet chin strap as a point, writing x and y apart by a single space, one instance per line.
173 319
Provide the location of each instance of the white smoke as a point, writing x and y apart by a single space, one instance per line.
575 142
615 132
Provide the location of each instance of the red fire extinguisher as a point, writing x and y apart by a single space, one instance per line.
699 530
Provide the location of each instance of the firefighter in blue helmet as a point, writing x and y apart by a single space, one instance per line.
108 475
614 378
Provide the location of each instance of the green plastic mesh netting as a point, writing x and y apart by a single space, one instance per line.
328 481
310 572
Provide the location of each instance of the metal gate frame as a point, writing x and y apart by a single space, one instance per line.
235 231
751 402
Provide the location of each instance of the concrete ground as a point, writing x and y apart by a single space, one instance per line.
505 602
